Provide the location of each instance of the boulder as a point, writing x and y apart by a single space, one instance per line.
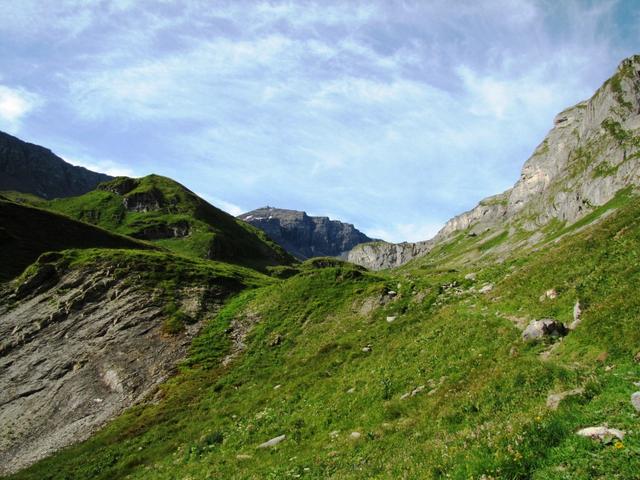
273 442
546 328
602 433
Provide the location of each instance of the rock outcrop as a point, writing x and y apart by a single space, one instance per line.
382 255
79 345
591 153
29 168
304 236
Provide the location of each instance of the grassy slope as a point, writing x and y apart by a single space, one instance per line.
26 232
482 411
214 233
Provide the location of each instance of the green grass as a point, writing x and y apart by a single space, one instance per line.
482 410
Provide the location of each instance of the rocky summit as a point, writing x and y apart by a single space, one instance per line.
304 236
29 168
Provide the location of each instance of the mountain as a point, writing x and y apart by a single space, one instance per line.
304 236
162 211
29 168
27 232
508 348
590 154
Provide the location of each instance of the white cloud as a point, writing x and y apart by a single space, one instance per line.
102 166
228 207
15 104
406 232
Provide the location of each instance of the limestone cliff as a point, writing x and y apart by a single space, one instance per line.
591 153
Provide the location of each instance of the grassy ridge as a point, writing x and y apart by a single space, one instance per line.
321 363
212 233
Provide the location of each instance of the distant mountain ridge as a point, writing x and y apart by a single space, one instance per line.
304 236
29 168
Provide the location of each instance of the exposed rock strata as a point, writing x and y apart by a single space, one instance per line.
78 348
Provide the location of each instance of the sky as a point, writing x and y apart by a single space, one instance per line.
391 115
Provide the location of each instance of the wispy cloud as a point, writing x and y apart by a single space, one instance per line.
394 116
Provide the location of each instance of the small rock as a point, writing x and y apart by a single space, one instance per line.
470 276
417 390
539 329
391 319
635 401
551 294
273 442
602 433
243 456
277 387
554 399
355 435
486 288
352 390
392 293
366 349
577 312
608 368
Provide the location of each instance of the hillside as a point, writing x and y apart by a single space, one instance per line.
27 232
413 374
591 153
29 168
166 213
304 236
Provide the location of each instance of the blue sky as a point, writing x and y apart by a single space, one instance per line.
392 115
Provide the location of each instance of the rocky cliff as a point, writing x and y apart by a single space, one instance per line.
590 154
29 168
83 336
304 236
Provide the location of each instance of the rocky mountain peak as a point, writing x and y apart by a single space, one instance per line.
305 236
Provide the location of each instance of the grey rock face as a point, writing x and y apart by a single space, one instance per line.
77 349
590 154
29 168
304 236
382 255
